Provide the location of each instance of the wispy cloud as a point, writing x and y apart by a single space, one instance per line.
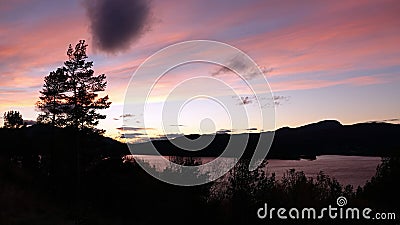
224 131
274 101
168 136
391 120
280 99
134 128
131 135
238 64
245 100
251 129
394 120
128 115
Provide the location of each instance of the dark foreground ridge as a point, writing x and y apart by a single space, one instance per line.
29 143
63 176
327 137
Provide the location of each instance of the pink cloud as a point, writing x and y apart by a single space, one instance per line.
29 49
365 40
313 83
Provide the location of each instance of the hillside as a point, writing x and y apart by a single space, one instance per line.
323 138
42 142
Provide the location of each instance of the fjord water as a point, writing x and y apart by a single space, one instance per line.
353 170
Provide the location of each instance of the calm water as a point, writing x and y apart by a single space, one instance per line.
353 170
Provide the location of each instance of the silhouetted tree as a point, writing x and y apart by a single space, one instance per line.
52 98
69 96
83 86
383 188
13 119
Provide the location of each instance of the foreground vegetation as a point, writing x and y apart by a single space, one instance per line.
53 176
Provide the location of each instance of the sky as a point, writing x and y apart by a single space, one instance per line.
322 59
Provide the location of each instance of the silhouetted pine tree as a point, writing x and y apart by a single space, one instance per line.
52 98
69 96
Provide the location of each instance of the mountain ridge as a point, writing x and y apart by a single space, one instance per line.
327 137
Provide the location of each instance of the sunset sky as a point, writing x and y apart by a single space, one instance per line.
323 59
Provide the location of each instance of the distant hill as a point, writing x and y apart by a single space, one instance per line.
327 137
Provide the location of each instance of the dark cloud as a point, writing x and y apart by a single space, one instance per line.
168 136
131 135
391 120
127 115
115 119
134 128
245 100
252 128
116 24
224 131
